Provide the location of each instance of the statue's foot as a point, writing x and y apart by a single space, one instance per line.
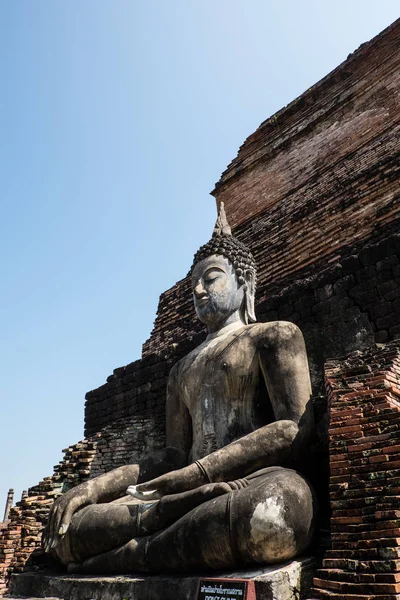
74 568
129 558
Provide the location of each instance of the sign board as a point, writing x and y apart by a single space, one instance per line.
226 589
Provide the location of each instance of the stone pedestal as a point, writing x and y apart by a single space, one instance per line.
290 581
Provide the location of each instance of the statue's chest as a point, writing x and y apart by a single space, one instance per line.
219 386
223 371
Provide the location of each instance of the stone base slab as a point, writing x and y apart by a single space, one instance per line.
291 581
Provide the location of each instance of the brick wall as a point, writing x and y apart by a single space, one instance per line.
364 445
134 397
319 133
129 391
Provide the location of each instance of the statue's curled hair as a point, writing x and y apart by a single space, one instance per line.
233 249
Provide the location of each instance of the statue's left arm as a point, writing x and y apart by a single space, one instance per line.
284 364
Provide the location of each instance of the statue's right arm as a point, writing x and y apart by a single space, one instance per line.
178 420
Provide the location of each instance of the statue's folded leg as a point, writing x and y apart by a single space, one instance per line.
102 527
270 521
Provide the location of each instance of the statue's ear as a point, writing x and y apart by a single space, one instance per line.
249 296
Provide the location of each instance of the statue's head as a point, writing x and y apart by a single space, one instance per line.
223 277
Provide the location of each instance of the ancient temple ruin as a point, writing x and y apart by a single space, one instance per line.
314 193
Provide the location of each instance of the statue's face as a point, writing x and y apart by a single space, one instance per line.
216 291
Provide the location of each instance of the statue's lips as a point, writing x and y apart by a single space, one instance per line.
202 302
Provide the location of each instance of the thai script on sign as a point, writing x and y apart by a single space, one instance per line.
222 590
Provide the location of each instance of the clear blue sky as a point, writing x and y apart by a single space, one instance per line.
117 117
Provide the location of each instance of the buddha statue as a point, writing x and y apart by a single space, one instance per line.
230 489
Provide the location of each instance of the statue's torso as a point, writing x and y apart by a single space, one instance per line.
223 388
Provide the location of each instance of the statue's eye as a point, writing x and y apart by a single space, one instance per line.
211 275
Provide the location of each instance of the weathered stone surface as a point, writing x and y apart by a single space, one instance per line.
287 582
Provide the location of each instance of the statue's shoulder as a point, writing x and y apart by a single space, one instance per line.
274 331
182 362
176 366
173 374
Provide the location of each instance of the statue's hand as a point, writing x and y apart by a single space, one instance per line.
174 482
62 512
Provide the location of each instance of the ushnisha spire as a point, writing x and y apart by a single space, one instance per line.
222 226
224 243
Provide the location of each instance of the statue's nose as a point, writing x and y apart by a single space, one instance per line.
199 291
